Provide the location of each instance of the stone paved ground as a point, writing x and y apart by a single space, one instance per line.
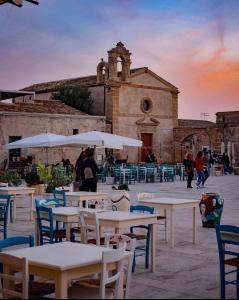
187 271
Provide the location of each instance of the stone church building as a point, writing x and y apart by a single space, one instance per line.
136 103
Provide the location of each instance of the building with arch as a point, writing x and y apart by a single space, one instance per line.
140 104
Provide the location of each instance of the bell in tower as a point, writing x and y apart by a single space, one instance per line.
121 55
102 71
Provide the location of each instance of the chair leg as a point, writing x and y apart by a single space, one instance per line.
237 283
223 284
11 211
134 263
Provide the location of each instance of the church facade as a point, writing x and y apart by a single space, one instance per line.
136 103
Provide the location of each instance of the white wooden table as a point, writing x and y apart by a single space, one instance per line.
61 262
79 197
14 191
67 215
124 220
171 204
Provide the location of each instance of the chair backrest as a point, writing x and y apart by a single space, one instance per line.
4 208
141 209
118 241
48 202
45 224
16 240
227 235
19 265
109 257
90 224
60 196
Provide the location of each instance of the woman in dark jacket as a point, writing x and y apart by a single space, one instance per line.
189 169
89 172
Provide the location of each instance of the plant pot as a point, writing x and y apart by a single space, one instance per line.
236 170
110 180
39 188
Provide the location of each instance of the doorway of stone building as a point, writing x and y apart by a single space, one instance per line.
147 139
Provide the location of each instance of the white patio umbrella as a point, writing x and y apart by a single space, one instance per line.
44 140
37 141
101 139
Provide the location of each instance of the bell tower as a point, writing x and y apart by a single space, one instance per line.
117 55
102 71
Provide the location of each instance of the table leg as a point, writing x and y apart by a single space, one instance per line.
152 248
194 225
31 207
166 225
14 207
68 231
172 228
61 286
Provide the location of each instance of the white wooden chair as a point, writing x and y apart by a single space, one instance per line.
106 278
162 219
19 265
90 228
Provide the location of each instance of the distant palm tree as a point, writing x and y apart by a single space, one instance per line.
76 97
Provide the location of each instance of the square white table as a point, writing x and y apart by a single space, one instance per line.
61 262
67 215
124 220
171 204
14 191
79 197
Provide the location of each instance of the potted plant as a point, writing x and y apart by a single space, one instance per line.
53 177
10 177
33 180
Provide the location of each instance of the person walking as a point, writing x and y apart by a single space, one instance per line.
89 172
205 167
189 169
199 168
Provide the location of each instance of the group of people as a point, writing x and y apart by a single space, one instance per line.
86 171
202 164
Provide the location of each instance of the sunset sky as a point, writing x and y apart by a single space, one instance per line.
192 44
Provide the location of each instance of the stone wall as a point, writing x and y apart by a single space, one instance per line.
25 125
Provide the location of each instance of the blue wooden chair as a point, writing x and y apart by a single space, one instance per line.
4 208
60 197
17 240
144 248
36 289
225 239
47 232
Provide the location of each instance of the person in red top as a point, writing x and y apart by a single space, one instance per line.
199 168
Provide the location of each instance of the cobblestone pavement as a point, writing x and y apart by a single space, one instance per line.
187 271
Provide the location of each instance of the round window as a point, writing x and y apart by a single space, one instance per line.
146 105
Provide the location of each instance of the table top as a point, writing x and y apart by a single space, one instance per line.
61 256
169 201
17 188
72 211
91 194
120 216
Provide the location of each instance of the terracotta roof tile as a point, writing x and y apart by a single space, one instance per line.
41 107
53 86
